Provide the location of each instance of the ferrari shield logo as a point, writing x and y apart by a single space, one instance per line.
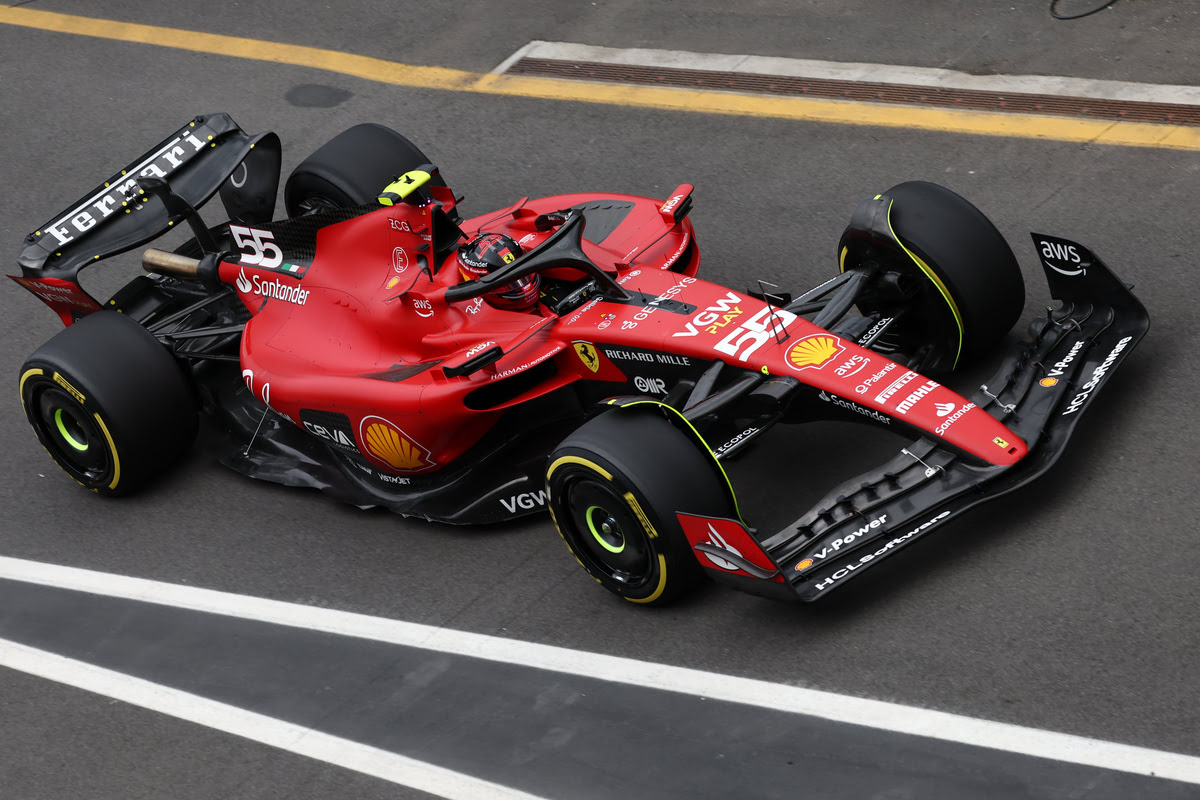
587 354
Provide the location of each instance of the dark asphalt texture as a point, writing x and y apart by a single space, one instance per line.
544 732
1070 606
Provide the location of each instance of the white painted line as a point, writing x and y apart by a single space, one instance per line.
864 73
782 697
504 65
257 727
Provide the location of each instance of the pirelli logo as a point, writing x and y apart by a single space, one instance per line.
61 381
895 386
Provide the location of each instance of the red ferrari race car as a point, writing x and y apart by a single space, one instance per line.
557 354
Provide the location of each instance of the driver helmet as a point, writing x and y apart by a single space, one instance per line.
489 252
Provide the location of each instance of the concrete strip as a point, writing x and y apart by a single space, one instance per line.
980 123
864 73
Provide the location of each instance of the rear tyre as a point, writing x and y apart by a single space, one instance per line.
960 287
351 169
614 486
111 406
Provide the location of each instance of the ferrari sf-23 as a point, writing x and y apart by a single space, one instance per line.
559 354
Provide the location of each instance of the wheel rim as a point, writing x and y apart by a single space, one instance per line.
70 430
71 435
315 204
921 319
605 529
610 539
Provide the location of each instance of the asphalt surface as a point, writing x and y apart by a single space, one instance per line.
1068 607
536 730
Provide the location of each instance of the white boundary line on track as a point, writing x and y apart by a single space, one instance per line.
362 758
861 73
781 697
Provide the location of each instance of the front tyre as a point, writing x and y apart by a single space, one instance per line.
955 285
111 406
614 486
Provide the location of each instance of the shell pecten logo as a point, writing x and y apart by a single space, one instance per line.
386 442
815 350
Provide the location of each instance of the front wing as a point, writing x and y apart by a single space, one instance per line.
1040 392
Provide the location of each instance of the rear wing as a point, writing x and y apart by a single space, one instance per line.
209 153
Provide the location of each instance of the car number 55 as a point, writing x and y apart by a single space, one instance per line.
754 332
263 251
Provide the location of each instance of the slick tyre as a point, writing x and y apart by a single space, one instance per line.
351 169
966 286
614 486
111 406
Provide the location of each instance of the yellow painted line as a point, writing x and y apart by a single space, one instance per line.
1022 126
216 44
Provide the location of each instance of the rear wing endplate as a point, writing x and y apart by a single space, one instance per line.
208 153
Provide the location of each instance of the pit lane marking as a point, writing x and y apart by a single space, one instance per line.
368 760
1129 134
856 72
780 697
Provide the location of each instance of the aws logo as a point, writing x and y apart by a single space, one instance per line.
392 446
1061 255
815 350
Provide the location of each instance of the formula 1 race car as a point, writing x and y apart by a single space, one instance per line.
556 354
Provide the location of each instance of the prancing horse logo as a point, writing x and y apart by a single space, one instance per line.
587 354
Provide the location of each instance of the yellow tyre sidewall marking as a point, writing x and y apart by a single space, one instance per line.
637 510
112 448
929 273
662 583
29 373
558 462
728 483
941 287
662 561
641 515
582 462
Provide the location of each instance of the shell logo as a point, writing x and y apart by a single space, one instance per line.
1048 382
803 565
815 350
386 442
